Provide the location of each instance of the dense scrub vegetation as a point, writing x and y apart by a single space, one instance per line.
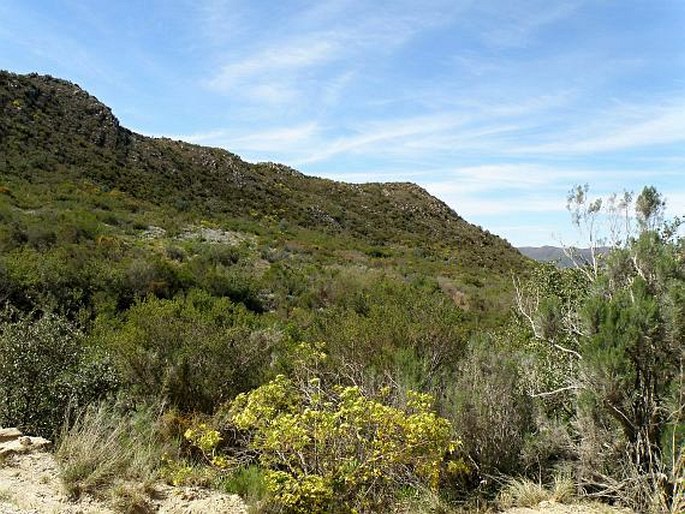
176 296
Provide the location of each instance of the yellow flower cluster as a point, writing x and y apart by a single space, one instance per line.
337 446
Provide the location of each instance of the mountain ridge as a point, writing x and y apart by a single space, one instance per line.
52 128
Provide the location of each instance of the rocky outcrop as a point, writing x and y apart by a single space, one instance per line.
12 441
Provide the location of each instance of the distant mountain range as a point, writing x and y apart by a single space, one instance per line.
558 255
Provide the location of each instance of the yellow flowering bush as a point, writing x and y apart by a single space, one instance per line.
338 450
207 440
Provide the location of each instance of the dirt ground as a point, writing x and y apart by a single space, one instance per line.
29 484
558 508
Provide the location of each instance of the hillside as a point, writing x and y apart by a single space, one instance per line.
53 131
176 278
171 313
99 224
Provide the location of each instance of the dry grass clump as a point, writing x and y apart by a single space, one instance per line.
131 498
678 500
108 446
522 492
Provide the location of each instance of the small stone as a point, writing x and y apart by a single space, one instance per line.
8 434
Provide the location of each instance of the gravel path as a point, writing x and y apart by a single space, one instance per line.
29 484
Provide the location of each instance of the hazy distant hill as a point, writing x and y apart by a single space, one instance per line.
545 254
557 254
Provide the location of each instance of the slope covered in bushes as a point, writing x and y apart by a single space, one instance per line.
165 292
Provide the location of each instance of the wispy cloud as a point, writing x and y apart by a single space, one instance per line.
625 128
384 136
272 141
473 126
511 189
513 24
498 177
284 67
291 58
475 207
219 21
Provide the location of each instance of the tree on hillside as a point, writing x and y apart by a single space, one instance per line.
622 329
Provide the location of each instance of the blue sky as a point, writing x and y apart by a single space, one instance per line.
498 107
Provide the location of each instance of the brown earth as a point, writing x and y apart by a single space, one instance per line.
29 484
559 508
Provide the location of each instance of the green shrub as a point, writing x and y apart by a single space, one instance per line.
248 482
45 369
195 350
149 275
494 415
377 318
620 330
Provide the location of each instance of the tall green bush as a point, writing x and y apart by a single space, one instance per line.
195 350
624 339
45 370
633 357
375 323
493 413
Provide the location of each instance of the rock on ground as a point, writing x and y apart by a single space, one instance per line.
12 441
